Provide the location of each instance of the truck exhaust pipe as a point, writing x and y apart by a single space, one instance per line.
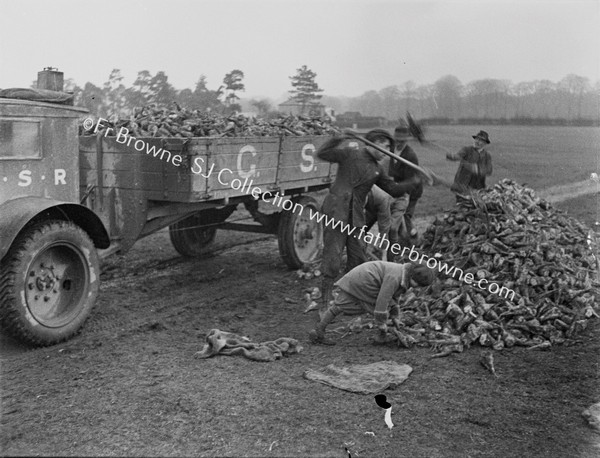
50 79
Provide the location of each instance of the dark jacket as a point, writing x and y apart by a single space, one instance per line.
401 172
377 210
470 159
358 170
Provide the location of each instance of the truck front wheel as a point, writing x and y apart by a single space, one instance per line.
49 282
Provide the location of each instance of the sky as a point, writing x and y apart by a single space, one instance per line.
352 45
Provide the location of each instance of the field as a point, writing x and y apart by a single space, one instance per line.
129 384
538 157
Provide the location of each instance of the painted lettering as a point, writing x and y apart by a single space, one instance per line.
308 161
59 176
252 171
24 178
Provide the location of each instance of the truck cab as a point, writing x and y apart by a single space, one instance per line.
49 267
38 150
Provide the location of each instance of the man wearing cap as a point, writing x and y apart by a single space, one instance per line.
475 164
359 168
372 287
403 208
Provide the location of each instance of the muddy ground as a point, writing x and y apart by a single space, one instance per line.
129 383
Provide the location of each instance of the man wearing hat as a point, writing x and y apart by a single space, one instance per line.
372 287
475 164
359 168
403 208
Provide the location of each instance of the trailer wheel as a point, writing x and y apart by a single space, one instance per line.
189 239
300 239
49 282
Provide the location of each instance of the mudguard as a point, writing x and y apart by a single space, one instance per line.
16 213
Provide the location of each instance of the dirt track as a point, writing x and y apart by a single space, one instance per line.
129 384
557 194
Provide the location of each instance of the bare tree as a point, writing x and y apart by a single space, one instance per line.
408 90
425 97
114 93
575 86
544 93
448 91
390 97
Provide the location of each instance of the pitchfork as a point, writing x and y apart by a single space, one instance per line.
432 178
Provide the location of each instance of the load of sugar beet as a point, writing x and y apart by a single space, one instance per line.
508 236
178 122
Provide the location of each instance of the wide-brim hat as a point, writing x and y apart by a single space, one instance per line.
483 135
374 134
401 135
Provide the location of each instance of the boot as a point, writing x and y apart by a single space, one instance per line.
317 335
380 338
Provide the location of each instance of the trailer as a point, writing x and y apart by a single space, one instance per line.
67 201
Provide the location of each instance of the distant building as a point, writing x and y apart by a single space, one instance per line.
356 120
295 108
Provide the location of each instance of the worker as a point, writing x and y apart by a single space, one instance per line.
377 211
373 287
475 165
358 170
403 207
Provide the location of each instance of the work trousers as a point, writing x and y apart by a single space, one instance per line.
348 304
334 242
398 233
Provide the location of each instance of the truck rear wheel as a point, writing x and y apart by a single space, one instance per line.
189 239
300 238
49 282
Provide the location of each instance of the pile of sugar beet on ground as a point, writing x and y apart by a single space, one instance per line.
510 237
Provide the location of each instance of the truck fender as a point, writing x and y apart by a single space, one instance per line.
17 213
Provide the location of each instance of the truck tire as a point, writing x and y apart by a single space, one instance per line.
49 282
189 239
300 239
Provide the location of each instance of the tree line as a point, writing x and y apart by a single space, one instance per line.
113 99
573 99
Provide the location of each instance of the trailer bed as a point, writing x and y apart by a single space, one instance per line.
210 167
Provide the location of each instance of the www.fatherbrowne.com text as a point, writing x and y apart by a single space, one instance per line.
246 187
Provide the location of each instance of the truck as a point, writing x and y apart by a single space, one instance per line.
68 200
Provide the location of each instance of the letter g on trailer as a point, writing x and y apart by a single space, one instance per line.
49 265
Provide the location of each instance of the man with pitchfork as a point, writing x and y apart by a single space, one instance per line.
359 168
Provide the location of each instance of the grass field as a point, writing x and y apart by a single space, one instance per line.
538 157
